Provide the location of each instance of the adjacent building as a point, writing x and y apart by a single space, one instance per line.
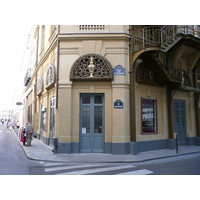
5 114
117 89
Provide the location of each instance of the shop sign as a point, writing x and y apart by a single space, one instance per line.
119 70
118 104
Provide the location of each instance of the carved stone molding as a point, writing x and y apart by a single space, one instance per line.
102 70
50 76
39 85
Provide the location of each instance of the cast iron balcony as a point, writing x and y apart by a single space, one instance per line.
27 77
163 37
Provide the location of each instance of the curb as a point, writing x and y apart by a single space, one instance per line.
119 161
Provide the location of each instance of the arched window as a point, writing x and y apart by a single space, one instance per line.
39 85
50 77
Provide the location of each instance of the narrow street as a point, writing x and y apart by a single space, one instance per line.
13 160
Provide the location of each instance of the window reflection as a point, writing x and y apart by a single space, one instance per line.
148 115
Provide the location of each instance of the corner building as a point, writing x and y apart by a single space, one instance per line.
74 105
118 89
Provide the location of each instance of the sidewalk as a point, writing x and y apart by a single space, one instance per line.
40 151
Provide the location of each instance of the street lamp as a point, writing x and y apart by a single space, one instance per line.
91 67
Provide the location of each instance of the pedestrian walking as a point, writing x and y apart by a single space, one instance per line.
9 125
2 121
29 133
23 136
13 125
17 124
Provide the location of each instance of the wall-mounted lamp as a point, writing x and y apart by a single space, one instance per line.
91 67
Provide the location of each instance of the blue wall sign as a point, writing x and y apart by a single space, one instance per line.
119 70
118 104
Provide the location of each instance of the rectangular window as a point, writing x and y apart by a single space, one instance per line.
148 115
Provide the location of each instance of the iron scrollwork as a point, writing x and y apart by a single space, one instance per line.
146 76
50 77
182 76
39 85
102 68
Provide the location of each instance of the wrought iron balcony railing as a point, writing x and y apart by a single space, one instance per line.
27 76
163 36
188 79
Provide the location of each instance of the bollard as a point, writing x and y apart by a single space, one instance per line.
176 143
55 141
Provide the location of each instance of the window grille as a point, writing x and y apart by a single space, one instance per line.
50 76
91 27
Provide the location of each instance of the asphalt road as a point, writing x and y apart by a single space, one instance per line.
180 165
13 161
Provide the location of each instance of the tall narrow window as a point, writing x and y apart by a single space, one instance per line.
43 37
148 115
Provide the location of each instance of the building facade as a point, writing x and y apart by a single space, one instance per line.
5 114
118 89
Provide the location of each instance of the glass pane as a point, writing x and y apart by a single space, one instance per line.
176 105
86 99
86 119
98 99
176 119
182 119
98 119
182 105
148 116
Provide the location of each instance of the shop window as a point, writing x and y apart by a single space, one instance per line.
148 115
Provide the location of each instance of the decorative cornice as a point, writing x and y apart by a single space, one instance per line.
93 36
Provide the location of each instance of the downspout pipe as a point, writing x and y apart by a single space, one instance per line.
58 63
36 65
132 90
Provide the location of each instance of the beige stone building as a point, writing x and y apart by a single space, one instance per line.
118 89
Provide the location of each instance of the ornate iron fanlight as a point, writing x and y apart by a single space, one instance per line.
91 67
146 76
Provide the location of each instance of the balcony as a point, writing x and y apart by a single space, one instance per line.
164 37
27 76
91 27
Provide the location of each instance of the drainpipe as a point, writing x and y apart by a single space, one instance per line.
36 63
58 55
132 91
55 138
197 112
